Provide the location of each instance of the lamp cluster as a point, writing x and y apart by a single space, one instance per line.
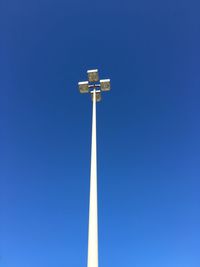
94 85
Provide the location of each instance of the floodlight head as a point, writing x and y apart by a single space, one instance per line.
93 75
83 87
94 85
105 84
98 95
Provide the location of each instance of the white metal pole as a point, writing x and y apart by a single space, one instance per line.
93 213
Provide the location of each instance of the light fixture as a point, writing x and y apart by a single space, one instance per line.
105 84
93 75
83 87
94 85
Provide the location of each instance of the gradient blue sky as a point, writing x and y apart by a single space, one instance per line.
148 132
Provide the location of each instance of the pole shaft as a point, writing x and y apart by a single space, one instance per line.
93 207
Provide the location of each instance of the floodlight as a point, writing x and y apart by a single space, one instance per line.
83 87
105 84
93 75
98 95
94 85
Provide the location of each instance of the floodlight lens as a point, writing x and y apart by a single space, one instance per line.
83 87
105 84
93 75
98 95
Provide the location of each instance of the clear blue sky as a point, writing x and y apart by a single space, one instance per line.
148 132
